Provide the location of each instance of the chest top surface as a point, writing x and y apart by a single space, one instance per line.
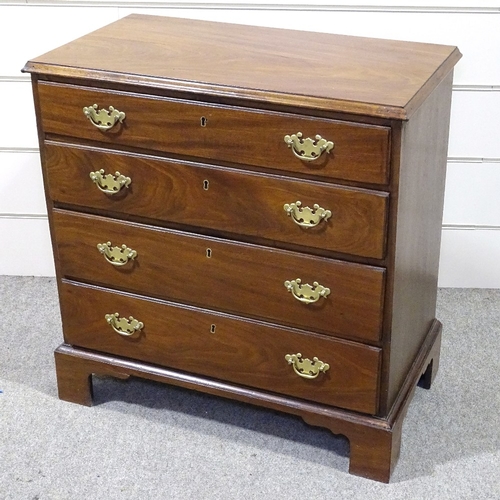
383 78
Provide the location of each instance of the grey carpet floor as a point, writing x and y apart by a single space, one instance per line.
144 440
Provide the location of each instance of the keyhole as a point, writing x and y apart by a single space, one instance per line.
203 121
209 253
212 328
205 185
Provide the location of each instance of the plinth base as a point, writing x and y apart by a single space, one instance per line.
375 442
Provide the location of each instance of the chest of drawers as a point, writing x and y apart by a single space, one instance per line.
254 213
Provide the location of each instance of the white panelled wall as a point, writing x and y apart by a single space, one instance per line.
470 253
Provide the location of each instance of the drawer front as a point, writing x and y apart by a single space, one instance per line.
221 346
236 135
227 276
223 199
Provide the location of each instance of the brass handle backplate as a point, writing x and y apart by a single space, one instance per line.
117 256
109 183
308 149
124 326
102 118
306 293
305 216
306 368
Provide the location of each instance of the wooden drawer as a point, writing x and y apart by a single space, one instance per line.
228 276
236 135
222 346
222 199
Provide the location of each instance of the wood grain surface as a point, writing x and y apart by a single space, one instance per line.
207 108
238 350
231 134
350 74
374 442
418 234
234 201
239 278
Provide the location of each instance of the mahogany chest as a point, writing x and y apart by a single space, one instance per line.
250 212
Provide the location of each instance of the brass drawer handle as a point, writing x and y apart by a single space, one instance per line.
308 149
103 119
124 326
306 293
117 256
109 183
306 217
306 368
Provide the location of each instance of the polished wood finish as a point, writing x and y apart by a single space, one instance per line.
203 141
301 69
231 134
238 278
418 234
374 442
222 199
222 346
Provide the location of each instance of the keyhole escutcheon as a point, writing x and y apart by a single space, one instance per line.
209 253
205 185
203 121
212 328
